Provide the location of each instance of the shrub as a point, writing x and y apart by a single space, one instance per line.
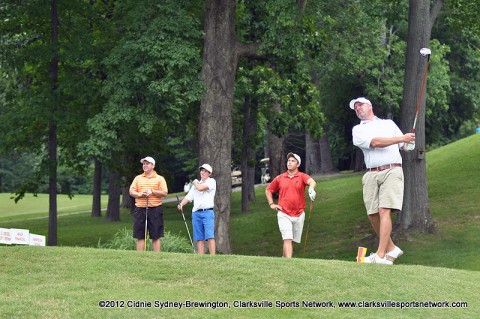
170 243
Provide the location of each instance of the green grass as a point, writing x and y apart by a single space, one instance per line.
65 282
68 282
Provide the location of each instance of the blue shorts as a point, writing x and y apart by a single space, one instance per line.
203 225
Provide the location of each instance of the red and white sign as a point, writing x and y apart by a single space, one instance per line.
5 236
16 236
20 236
37 240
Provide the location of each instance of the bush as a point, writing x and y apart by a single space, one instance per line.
170 243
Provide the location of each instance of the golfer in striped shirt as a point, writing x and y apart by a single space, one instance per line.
148 189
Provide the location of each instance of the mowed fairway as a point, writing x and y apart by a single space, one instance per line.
37 206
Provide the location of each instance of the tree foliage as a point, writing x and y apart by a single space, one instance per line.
32 98
152 77
129 78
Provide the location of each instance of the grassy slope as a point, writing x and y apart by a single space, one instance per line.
68 282
453 173
65 282
338 223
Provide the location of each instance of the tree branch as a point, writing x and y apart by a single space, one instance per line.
248 49
301 5
435 11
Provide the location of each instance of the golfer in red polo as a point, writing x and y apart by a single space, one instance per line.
291 201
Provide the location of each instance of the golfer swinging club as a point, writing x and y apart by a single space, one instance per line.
202 194
380 141
291 201
148 189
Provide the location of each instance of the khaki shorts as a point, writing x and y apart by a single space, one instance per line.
291 227
383 189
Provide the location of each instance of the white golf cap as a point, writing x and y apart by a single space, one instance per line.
425 51
359 99
207 167
148 159
299 160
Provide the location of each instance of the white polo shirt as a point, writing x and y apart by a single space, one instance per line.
204 199
363 134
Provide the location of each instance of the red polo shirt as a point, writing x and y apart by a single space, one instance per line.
291 196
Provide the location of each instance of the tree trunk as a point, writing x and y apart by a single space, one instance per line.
415 216
248 182
276 151
114 190
326 165
358 160
52 160
52 134
312 155
97 189
248 158
325 154
215 127
126 201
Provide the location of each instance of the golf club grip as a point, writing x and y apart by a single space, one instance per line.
414 123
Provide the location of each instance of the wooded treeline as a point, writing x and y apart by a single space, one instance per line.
90 87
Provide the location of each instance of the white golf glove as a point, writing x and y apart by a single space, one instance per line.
409 147
312 194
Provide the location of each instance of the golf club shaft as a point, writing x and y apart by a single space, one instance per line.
146 228
308 228
188 231
186 226
421 95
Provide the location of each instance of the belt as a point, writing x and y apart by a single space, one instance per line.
203 209
383 167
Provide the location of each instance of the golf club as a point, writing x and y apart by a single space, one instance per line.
426 53
188 231
308 228
146 218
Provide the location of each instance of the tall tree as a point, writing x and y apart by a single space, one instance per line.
312 155
415 212
276 149
97 191
326 162
215 127
114 190
250 110
51 88
52 134
299 110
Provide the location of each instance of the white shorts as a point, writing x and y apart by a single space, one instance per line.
291 227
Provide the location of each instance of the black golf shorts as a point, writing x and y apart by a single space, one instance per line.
154 222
